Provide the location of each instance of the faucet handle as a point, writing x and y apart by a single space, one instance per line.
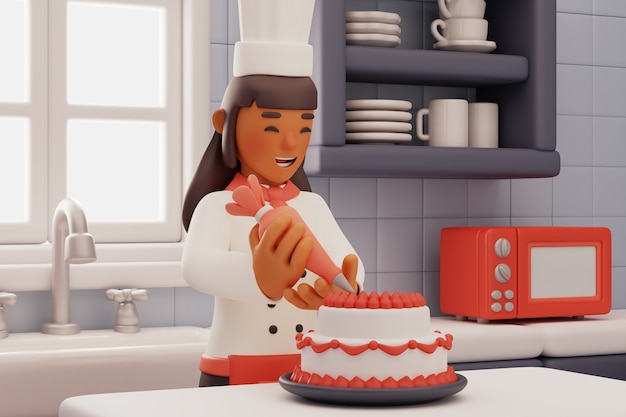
126 295
7 298
127 316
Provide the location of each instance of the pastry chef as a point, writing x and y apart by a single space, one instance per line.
263 295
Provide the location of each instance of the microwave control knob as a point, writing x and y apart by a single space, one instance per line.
496 295
496 307
509 307
509 294
502 273
502 247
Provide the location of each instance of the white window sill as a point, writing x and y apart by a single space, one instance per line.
28 267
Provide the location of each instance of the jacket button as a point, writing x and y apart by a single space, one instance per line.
299 328
273 329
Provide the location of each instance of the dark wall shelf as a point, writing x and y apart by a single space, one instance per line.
520 77
405 66
362 160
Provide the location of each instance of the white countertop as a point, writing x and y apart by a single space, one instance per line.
591 335
489 392
525 339
494 341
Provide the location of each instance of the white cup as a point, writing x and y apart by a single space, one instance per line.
460 29
447 123
462 8
483 125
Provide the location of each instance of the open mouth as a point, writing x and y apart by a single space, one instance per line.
285 162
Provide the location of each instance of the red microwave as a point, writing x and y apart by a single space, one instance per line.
497 273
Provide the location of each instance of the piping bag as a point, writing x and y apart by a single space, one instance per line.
249 202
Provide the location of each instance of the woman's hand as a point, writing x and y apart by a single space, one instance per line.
279 257
310 298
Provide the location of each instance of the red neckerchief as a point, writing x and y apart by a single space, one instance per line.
275 195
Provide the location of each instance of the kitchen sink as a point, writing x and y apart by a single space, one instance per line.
38 371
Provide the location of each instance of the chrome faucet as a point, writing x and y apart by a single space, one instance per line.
71 244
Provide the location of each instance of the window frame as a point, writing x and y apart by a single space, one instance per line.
35 227
26 267
168 229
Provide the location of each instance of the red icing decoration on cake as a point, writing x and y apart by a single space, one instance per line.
374 301
443 341
442 378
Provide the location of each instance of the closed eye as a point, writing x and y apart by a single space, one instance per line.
271 129
305 130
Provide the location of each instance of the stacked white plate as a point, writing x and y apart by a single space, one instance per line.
378 121
373 28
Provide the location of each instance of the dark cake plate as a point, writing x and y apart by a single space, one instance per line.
372 396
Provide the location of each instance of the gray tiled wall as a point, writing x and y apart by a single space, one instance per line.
395 231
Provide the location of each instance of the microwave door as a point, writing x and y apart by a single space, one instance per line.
566 272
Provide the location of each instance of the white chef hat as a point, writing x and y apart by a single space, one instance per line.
274 38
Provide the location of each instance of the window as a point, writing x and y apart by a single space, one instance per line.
23 122
115 115
91 107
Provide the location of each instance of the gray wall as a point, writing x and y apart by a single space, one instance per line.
396 233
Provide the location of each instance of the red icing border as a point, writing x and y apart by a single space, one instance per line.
444 341
303 377
373 300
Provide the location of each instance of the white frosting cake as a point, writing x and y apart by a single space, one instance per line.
376 341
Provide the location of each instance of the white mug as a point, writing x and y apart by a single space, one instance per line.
460 29
462 8
447 123
483 125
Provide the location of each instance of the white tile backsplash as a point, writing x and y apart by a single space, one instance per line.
400 198
609 91
619 287
193 308
575 41
573 221
353 197
400 281
219 21
532 221
608 200
491 198
445 198
531 197
321 186
399 245
574 90
219 71
607 31
609 141
363 235
575 140
609 7
233 22
573 192
158 310
574 6
618 237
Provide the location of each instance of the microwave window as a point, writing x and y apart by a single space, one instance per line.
562 272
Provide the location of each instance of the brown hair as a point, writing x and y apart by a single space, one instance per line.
219 163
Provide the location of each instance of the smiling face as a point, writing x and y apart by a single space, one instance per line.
272 143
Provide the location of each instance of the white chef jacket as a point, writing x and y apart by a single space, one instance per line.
217 260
